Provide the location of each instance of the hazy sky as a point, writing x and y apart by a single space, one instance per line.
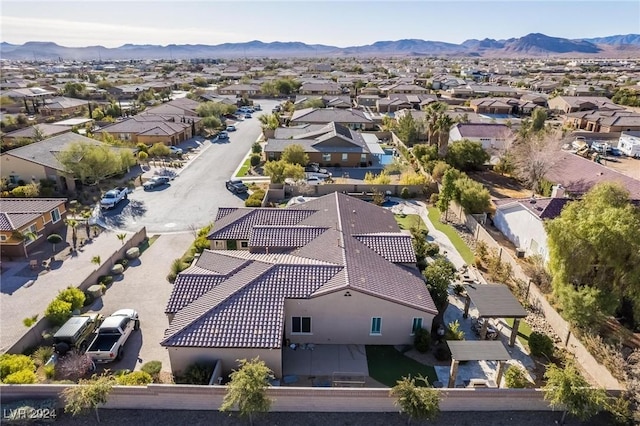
338 23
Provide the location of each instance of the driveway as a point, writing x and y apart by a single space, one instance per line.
144 287
192 199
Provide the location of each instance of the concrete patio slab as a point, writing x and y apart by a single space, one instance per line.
325 360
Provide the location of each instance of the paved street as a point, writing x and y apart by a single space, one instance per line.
193 197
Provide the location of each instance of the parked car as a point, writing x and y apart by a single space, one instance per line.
76 333
314 180
175 150
257 107
236 186
231 128
315 168
112 197
223 135
113 333
155 181
247 115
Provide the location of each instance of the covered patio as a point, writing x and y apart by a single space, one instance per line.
494 301
324 364
471 350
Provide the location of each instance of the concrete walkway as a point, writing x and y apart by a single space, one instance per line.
25 295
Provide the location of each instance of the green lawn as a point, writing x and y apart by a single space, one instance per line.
523 331
409 220
458 243
387 366
245 167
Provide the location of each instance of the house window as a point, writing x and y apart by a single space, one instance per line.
301 325
363 158
244 244
376 325
29 233
55 215
3 238
345 157
416 325
326 157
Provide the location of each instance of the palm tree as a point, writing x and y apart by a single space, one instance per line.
433 111
96 260
121 237
443 125
73 224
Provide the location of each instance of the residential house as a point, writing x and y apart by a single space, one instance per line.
241 90
568 104
64 107
323 88
329 101
604 121
38 161
351 118
45 130
406 89
151 129
522 221
329 145
25 223
490 106
396 102
276 277
491 136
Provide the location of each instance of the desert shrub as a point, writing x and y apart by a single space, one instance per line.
439 167
49 371
198 374
442 353
422 340
73 366
58 311
453 331
22 377
608 355
404 193
433 198
537 271
72 295
255 160
255 199
42 354
12 363
256 148
199 245
152 368
432 249
177 266
105 279
515 377
88 298
124 262
540 344
135 378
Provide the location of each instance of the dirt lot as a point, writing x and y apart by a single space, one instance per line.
625 165
500 186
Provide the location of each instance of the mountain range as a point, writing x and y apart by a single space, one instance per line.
531 45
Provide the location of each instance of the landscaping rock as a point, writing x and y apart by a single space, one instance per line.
95 290
133 253
117 269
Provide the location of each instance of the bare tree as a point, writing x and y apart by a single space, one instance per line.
535 156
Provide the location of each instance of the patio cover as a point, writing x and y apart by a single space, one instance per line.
494 301
373 143
473 350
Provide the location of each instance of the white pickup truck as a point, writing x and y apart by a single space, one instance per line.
112 197
108 343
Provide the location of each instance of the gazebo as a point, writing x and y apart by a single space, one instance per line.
494 301
474 350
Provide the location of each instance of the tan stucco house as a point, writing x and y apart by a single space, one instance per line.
334 270
22 219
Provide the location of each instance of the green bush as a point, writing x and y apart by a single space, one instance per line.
432 249
433 199
49 371
124 262
88 298
72 295
22 377
256 148
105 279
515 377
136 378
439 168
255 199
198 374
405 193
152 368
12 363
467 155
453 331
540 344
58 311
422 340
200 245
255 160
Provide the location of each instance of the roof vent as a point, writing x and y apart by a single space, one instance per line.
354 212
532 200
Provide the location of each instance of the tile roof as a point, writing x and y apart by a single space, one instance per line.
327 115
543 208
44 152
336 241
17 212
396 248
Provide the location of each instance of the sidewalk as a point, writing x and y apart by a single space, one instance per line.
24 294
446 246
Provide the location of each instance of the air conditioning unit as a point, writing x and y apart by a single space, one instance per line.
520 253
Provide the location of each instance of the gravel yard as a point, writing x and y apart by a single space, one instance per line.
194 418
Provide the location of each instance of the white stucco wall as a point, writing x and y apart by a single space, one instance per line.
182 358
523 229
